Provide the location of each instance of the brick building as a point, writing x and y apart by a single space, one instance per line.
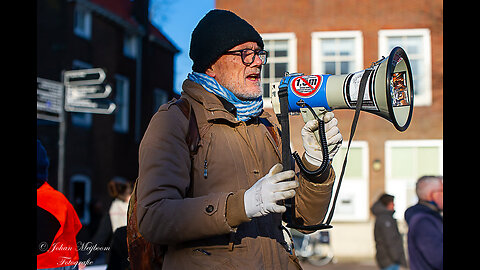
339 37
114 35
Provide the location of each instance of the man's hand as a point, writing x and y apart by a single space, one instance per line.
261 199
313 150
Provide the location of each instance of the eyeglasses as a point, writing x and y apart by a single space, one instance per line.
248 55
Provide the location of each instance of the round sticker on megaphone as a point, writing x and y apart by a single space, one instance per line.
306 86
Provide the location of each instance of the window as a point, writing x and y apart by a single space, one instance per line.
282 57
352 202
416 43
122 89
82 22
405 162
80 194
130 45
337 52
160 97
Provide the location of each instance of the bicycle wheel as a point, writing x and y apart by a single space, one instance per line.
322 255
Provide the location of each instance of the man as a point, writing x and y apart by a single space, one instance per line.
219 210
425 225
389 243
57 222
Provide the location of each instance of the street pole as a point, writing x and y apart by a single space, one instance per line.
61 142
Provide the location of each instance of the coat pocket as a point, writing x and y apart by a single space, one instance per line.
217 257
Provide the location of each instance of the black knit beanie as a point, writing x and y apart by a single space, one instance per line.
217 32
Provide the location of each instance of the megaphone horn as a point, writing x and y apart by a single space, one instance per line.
388 90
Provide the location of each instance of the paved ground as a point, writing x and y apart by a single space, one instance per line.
343 265
305 265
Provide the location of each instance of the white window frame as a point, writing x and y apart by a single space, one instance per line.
354 189
83 30
292 58
398 186
318 59
425 99
122 96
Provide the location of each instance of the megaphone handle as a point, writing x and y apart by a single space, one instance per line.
323 144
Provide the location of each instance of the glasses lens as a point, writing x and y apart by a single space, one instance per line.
248 56
263 56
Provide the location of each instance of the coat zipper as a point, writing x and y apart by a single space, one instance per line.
205 163
205 169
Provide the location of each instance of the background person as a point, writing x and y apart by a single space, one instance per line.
57 222
388 240
425 225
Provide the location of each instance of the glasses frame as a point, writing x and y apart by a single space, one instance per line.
243 54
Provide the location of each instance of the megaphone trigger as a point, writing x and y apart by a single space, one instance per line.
320 135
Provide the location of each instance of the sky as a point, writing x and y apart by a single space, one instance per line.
177 19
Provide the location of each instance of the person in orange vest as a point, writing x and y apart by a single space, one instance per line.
57 222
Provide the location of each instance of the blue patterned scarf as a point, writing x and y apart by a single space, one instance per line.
246 109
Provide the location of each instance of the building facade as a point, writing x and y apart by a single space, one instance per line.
341 37
116 36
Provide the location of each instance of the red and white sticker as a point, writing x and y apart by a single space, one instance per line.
306 86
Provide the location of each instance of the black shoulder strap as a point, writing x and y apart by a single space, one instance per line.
361 91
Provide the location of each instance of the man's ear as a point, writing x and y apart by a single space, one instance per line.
210 72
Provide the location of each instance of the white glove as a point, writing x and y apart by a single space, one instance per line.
261 199
313 149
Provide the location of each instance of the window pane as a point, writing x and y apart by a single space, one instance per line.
393 41
266 71
266 90
402 162
417 74
345 46
328 46
428 161
412 44
329 67
280 69
354 165
268 45
281 48
344 67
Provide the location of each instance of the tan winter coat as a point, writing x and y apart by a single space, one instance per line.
203 221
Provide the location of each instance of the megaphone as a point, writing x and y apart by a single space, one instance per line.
388 90
384 89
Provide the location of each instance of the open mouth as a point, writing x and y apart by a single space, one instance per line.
254 77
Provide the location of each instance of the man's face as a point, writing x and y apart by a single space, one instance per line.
243 81
437 196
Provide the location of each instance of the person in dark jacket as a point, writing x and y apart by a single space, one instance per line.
389 244
425 225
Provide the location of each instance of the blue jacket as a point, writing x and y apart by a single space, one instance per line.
425 236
